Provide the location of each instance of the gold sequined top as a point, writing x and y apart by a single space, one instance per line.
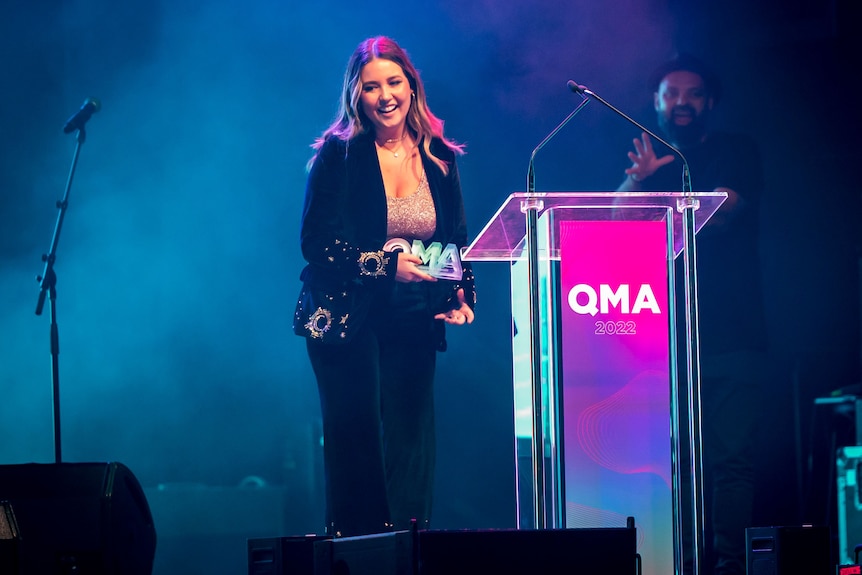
413 216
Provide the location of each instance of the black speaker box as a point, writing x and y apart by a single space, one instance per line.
793 550
609 551
8 539
78 518
298 555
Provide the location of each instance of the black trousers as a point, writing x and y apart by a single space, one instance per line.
732 401
377 404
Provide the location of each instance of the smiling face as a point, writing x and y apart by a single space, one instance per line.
682 103
385 96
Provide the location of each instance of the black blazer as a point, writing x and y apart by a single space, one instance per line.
343 230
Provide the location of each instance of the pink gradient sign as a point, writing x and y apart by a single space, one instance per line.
616 382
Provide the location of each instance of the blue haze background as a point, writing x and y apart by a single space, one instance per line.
178 261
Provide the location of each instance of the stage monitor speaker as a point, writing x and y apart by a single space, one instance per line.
794 550
88 518
609 551
296 555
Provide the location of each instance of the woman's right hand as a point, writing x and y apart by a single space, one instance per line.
408 272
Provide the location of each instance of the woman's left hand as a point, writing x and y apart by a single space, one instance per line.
460 315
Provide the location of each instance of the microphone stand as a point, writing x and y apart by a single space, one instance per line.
531 206
48 286
687 205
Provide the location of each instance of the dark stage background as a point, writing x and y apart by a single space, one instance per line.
178 262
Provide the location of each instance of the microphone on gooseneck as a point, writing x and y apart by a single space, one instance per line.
80 118
531 180
586 92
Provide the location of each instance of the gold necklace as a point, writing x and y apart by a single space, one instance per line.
397 150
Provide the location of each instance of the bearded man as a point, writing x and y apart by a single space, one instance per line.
733 334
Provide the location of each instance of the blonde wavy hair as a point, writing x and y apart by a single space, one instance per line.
351 120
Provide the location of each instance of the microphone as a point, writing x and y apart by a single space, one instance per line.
586 92
574 87
531 179
77 121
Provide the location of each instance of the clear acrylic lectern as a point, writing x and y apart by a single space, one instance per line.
594 358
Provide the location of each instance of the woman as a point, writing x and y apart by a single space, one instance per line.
373 316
